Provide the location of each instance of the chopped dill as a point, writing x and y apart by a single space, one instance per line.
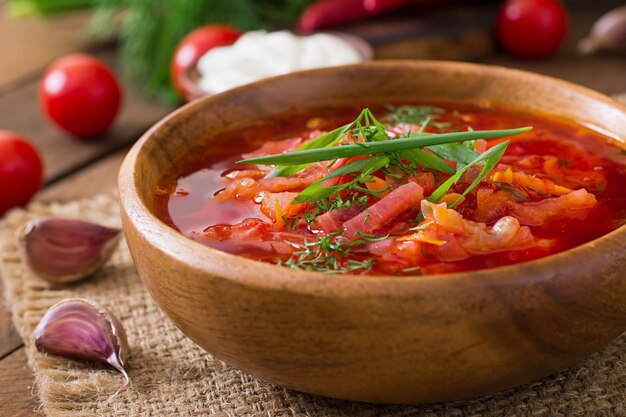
374 154
515 190
323 253
422 226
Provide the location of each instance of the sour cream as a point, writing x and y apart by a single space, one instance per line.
259 54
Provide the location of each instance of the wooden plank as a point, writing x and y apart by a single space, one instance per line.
98 178
451 33
603 73
21 113
40 41
16 387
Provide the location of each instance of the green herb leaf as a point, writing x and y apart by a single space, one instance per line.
426 160
422 226
491 157
364 167
344 151
456 152
515 190
415 115
329 139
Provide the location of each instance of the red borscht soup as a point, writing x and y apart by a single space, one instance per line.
399 189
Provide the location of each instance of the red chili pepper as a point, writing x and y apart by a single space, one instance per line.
375 7
328 13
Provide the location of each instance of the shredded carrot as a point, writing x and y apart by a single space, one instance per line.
378 184
540 185
280 221
451 198
551 167
481 146
422 236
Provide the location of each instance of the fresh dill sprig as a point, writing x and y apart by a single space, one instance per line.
373 148
515 190
412 115
327 253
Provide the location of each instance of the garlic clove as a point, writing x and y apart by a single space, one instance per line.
82 329
607 34
66 250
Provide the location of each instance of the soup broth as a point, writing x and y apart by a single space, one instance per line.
555 187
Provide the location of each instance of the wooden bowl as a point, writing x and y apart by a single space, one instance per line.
377 339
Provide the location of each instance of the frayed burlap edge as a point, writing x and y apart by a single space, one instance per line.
173 377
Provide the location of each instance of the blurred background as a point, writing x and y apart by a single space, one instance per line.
144 33
137 40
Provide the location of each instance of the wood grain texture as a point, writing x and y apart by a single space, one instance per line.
16 387
40 41
62 153
455 33
97 178
377 339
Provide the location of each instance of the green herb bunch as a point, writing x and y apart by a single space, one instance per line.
151 29
401 156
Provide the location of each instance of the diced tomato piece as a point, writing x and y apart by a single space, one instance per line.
450 198
473 237
248 229
278 206
333 220
426 180
481 146
490 204
575 205
244 188
237 174
539 185
252 235
274 147
494 204
394 255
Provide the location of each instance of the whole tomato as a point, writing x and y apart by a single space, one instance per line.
532 28
191 48
20 171
81 95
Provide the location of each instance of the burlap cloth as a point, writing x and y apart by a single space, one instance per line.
173 377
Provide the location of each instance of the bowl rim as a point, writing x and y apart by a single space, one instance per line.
267 276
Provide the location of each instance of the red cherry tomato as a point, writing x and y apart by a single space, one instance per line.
81 95
20 171
532 28
191 48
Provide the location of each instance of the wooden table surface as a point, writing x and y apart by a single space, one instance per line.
75 169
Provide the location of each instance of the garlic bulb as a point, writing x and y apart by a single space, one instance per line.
607 34
66 250
81 329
